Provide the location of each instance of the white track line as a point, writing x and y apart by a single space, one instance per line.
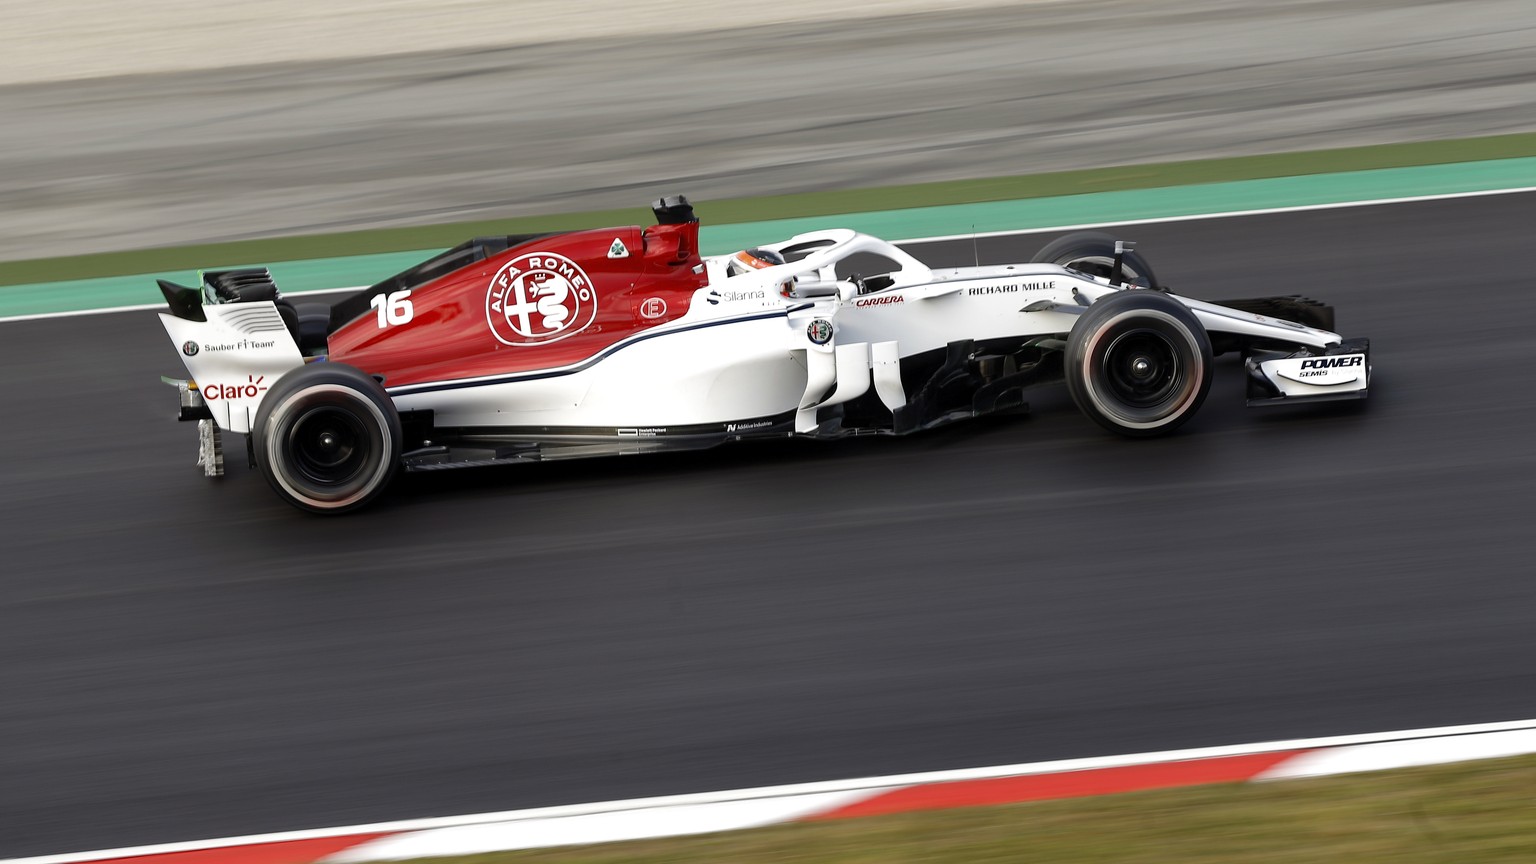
815 791
1404 754
950 237
142 307
1192 217
612 826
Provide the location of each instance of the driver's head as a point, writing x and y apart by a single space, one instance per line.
748 260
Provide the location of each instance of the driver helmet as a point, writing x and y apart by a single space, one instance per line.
748 260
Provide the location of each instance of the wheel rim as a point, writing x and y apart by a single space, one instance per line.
330 445
329 448
1142 368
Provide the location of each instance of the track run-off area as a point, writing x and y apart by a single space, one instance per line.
194 659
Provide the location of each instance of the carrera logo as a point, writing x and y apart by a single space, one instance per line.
879 301
249 390
539 297
1333 362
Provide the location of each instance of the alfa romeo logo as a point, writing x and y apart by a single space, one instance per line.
539 297
189 349
819 331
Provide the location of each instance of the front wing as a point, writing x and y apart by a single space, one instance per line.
1342 371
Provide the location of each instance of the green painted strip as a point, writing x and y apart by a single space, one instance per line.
318 274
982 217
1159 175
1132 205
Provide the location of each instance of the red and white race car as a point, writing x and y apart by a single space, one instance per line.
626 340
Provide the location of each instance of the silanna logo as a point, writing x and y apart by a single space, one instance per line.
715 296
539 297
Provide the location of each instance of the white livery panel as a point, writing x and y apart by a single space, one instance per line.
234 357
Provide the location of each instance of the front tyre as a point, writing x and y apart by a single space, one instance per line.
1093 253
1138 363
327 437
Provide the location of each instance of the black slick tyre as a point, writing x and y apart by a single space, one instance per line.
327 437
1093 253
1138 363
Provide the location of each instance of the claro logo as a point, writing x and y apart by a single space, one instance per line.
1333 362
249 390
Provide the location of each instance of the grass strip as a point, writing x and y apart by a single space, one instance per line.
1467 812
811 204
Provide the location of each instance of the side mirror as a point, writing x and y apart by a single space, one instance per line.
1117 276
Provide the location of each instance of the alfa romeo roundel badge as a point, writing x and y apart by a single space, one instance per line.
819 331
189 348
539 297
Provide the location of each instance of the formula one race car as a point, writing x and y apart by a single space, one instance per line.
625 340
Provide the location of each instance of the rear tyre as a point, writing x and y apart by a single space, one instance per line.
327 437
1093 253
1138 363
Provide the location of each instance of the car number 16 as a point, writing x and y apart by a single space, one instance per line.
394 308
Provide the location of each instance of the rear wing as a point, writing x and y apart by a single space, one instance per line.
235 341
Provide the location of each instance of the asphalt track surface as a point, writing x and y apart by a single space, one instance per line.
186 658
302 148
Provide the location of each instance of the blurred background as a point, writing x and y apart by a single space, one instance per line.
222 121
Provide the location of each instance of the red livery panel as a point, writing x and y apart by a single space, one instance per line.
541 304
